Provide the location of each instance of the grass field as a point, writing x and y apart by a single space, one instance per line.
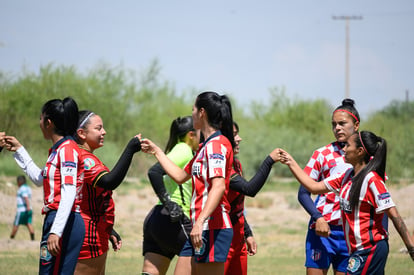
278 222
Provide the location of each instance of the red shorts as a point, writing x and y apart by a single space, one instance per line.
96 238
236 262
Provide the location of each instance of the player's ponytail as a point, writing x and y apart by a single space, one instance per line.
178 130
219 112
63 114
375 149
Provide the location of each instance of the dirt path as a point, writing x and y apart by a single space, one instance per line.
132 207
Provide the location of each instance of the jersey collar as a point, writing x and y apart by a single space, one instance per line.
215 134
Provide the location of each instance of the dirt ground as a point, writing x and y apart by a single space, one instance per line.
133 206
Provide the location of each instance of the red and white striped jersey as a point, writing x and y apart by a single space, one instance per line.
96 202
362 225
62 167
213 159
326 161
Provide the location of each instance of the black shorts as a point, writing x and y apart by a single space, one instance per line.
161 236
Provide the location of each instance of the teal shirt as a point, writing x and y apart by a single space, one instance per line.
180 154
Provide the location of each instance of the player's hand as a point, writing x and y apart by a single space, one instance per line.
175 211
2 139
275 155
116 240
322 228
12 144
251 246
196 235
149 147
53 244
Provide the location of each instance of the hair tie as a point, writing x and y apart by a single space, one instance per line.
346 111
363 146
85 120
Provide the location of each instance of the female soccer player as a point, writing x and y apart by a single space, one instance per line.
97 205
325 240
63 227
210 170
167 226
364 199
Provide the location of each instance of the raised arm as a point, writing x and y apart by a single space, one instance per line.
303 178
252 187
24 160
174 171
113 179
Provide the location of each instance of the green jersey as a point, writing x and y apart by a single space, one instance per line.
180 154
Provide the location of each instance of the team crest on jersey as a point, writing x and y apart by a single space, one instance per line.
316 255
354 263
89 163
331 163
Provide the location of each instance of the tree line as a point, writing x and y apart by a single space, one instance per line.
132 103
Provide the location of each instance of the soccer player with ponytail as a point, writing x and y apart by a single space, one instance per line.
63 227
364 200
210 171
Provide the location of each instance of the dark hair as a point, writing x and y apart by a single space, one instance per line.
236 125
63 114
348 106
21 178
219 114
83 121
236 164
178 130
375 149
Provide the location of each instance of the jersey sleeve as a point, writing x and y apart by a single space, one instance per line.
26 163
68 157
216 159
334 182
380 197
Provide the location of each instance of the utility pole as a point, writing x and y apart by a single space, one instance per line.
347 18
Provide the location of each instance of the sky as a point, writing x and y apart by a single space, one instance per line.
240 48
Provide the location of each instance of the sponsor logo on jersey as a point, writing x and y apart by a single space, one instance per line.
384 196
69 164
89 163
196 169
216 156
345 206
218 172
